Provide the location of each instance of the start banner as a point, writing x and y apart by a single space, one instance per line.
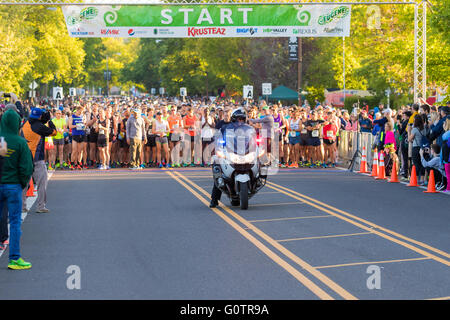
207 21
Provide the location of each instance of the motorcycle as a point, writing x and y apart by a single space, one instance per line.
237 169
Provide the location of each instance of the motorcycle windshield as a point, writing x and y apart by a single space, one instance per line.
240 140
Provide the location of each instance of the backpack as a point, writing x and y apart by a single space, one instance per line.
424 142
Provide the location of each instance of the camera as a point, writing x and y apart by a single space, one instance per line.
7 95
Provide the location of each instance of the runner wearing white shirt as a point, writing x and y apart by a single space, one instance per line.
161 128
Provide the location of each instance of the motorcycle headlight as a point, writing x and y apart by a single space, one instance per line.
248 158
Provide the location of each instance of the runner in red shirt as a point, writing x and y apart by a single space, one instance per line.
329 139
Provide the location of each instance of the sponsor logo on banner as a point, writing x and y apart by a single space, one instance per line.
194 32
131 32
81 32
88 13
275 30
335 14
252 31
304 31
333 30
163 31
112 32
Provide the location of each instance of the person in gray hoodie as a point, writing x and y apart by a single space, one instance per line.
136 135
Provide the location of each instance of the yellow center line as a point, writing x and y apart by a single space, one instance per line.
323 207
273 204
323 237
272 255
371 262
283 219
323 278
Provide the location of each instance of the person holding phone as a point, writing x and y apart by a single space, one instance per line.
16 173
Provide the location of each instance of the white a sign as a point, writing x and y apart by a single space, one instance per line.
73 92
183 92
58 93
266 89
161 91
248 92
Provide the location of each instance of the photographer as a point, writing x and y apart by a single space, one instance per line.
35 131
13 101
434 164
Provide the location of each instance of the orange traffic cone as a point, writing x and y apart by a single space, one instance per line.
381 170
375 164
413 179
431 184
30 192
363 167
394 176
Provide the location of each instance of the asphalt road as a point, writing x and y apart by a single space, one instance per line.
309 234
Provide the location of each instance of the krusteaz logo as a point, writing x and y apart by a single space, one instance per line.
338 13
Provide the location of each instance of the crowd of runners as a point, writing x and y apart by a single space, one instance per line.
93 133
136 133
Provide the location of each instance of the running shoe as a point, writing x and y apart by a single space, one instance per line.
2 247
6 242
19 264
142 166
101 167
57 166
160 165
168 166
192 165
85 166
50 168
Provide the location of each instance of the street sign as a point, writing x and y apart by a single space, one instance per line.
72 92
248 92
266 89
33 85
58 93
107 75
32 94
161 91
293 48
183 92
153 91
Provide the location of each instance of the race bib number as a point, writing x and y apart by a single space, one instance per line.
304 131
330 134
79 126
293 134
276 125
175 137
102 131
315 133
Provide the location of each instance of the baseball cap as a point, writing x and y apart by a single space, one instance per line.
36 113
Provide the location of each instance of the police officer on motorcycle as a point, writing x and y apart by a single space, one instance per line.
238 120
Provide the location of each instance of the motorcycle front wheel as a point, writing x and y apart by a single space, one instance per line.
243 194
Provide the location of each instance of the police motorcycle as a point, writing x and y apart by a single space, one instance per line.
237 169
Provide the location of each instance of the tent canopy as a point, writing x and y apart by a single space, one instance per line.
283 93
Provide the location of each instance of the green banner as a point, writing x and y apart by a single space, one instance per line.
213 20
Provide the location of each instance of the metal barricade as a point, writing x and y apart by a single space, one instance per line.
348 145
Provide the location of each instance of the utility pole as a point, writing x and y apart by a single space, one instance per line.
107 78
299 70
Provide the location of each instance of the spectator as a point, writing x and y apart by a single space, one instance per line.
16 172
403 131
365 123
435 165
445 152
437 131
35 131
416 137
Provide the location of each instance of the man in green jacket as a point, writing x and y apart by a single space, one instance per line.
16 173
